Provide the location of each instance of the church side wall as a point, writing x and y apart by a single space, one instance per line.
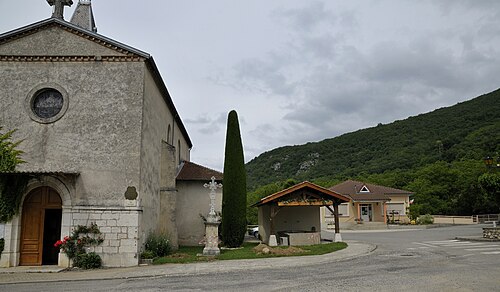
193 200
157 120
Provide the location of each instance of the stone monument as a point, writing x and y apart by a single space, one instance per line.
212 223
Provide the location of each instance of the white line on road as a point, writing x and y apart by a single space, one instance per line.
424 244
482 248
462 244
491 252
442 241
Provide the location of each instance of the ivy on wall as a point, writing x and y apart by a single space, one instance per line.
12 185
12 188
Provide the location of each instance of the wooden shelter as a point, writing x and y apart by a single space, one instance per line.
293 215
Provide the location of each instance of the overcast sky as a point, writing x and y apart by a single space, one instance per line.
299 71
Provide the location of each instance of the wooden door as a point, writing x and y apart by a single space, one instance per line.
32 224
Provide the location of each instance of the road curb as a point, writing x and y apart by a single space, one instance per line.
354 250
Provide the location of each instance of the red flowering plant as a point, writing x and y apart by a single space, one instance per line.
74 246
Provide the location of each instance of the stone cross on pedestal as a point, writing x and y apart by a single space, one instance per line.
213 186
212 223
59 7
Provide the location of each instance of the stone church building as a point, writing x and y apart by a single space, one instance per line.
102 140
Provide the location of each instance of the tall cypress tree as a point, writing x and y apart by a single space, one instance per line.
234 193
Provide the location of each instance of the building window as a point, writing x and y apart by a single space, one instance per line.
47 103
168 135
179 150
344 209
396 208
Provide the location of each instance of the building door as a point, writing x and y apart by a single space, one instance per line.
366 212
40 227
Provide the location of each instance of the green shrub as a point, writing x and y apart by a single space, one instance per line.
425 219
87 261
147 254
74 246
158 244
2 244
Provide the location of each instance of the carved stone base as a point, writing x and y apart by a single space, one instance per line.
211 239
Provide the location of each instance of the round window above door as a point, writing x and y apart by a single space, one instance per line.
47 103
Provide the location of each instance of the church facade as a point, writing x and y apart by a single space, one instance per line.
102 140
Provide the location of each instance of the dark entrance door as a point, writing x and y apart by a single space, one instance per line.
40 227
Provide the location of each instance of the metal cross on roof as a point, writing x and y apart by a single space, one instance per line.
59 7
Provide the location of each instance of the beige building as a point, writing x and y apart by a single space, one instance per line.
102 140
369 203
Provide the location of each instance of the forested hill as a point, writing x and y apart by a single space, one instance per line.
468 130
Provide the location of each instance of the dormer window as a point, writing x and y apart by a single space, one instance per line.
364 189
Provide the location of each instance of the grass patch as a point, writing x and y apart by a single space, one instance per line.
189 254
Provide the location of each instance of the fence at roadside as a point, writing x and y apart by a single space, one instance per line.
486 218
474 219
443 219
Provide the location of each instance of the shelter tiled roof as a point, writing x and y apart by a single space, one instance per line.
303 185
193 171
361 191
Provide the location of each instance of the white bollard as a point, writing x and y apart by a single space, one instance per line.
272 240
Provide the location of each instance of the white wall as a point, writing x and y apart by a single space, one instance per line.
192 200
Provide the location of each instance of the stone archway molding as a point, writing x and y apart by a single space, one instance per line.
64 186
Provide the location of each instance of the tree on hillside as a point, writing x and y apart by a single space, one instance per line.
234 199
490 184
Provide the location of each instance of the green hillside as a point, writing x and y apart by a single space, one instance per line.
468 130
438 155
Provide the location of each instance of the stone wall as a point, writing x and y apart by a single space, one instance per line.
491 233
119 227
2 230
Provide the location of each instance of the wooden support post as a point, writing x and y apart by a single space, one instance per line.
385 212
336 214
338 237
274 211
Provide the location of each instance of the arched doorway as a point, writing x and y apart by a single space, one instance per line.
40 227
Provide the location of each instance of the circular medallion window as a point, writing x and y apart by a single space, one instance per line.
47 103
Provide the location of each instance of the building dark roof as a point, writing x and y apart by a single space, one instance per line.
361 191
190 171
107 42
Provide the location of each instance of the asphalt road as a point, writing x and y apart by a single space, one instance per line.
419 260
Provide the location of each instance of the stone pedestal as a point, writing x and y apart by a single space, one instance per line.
211 238
337 238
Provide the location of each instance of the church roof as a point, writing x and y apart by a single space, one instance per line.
83 16
107 42
192 171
